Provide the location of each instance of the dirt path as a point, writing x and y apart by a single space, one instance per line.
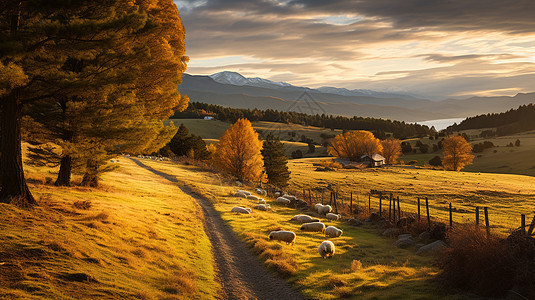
240 273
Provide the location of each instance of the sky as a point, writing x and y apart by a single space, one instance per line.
433 48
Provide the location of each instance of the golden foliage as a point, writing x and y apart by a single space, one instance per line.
352 145
457 153
391 150
238 152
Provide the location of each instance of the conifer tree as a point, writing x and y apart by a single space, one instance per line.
275 162
238 152
183 144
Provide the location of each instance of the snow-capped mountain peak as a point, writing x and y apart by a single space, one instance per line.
234 78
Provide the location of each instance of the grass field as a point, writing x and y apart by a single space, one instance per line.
385 272
507 195
141 238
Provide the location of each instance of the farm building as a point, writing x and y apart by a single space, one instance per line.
375 160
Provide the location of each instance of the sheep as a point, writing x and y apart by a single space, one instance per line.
317 206
241 210
260 191
253 197
245 192
261 201
282 235
331 216
325 209
326 249
313 227
290 197
303 219
332 231
240 195
278 194
283 200
263 207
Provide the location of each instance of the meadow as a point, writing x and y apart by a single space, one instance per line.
136 237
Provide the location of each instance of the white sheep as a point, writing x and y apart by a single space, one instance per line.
331 216
240 195
332 231
253 197
325 209
317 206
263 207
326 249
303 219
283 200
245 192
290 197
278 194
260 191
282 235
241 210
262 201
313 227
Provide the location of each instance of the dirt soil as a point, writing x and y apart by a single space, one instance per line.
240 273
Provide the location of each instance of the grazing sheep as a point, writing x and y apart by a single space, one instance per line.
282 235
241 210
290 197
326 249
260 191
317 206
303 219
245 192
240 195
331 216
299 203
332 231
253 197
263 207
262 201
325 209
278 194
283 200
313 227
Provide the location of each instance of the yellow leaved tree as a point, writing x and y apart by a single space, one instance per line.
352 145
391 150
238 152
457 153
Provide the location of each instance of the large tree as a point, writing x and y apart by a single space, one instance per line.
354 144
275 162
391 150
457 153
238 152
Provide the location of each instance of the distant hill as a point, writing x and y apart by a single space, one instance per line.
234 90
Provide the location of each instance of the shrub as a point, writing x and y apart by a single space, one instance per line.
356 265
436 161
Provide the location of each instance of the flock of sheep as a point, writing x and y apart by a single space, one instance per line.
309 223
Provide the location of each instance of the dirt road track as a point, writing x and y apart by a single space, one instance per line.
240 273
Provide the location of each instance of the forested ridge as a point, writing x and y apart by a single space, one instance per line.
506 123
399 129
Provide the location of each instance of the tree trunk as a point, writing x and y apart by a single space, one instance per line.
65 169
12 173
91 175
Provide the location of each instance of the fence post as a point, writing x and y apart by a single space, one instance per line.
486 210
380 204
531 226
369 202
477 216
399 209
331 200
451 216
523 224
428 217
351 203
390 209
335 203
418 209
357 205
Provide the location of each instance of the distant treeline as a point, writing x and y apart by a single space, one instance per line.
510 122
381 127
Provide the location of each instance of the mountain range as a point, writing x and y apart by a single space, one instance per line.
234 90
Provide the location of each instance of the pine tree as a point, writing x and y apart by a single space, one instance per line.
275 162
184 144
238 152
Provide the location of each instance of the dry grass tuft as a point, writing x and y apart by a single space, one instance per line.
336 281
356 265
85 205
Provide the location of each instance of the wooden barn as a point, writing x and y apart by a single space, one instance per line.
376 160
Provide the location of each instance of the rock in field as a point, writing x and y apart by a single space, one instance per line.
392 232
431 248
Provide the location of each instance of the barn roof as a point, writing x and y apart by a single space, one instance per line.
375 157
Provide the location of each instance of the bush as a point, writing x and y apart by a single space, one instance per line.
297 154
490 266
435 161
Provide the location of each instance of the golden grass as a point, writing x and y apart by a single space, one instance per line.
384 272
137 237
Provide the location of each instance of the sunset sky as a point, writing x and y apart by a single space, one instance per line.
432 48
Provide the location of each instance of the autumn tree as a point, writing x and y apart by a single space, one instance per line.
352 145
238 152
391 150
275 162
457 153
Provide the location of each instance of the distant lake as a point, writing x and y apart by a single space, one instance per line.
441 123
